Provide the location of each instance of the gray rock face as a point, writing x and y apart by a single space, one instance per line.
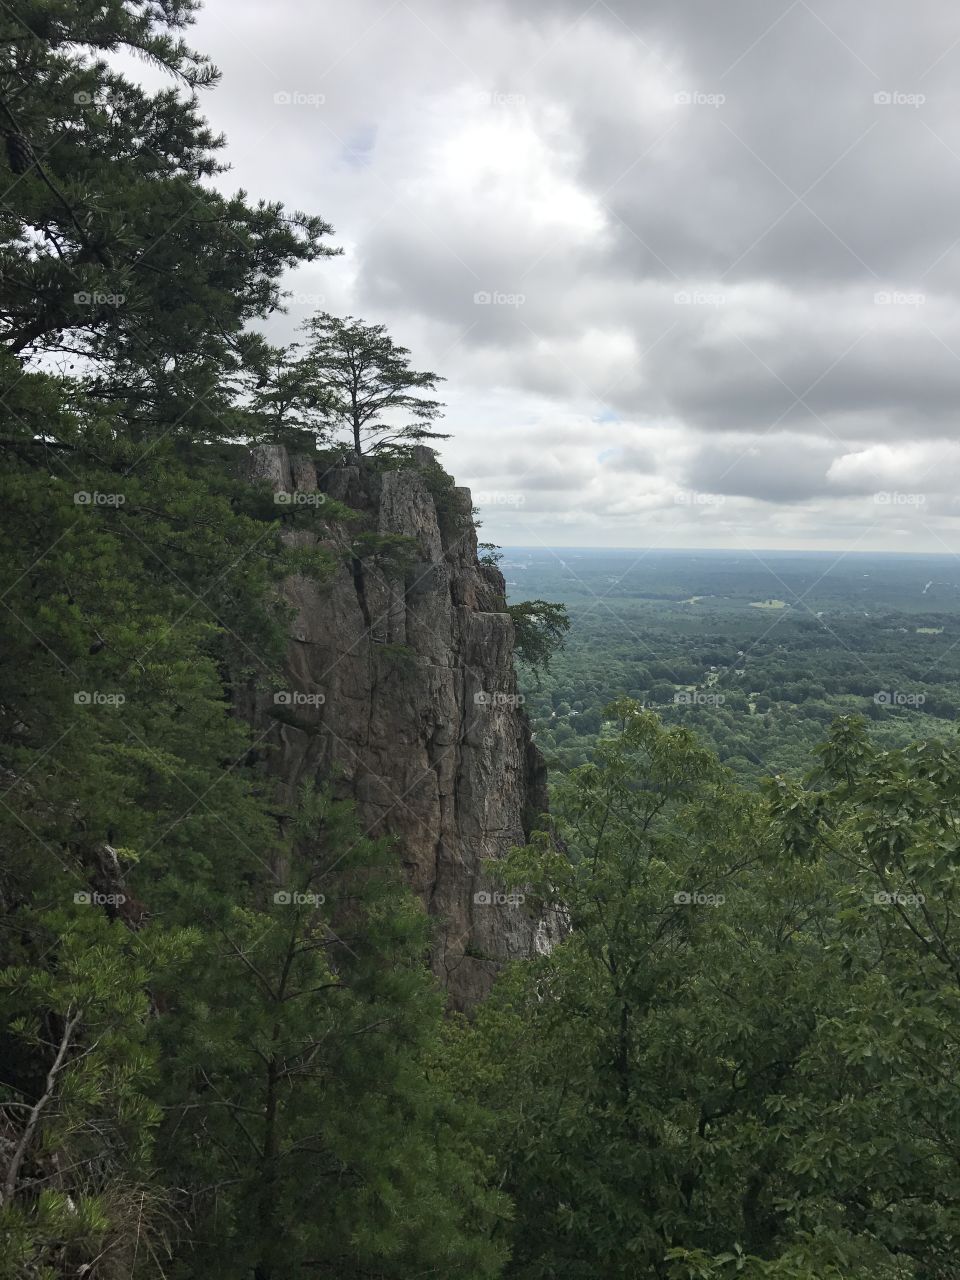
419 720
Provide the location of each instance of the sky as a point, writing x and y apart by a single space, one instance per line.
691 270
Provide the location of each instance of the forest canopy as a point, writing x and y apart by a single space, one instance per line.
735 1054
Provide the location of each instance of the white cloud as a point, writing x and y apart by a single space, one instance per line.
541 152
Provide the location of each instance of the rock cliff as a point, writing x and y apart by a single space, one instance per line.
404 684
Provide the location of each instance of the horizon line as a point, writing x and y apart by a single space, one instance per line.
769 551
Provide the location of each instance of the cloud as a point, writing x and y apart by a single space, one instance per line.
720 244
930 468
780 469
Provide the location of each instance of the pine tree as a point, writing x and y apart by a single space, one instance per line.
138 587
301 1110
284 396
368 382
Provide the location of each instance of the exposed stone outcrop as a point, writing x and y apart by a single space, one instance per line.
419 720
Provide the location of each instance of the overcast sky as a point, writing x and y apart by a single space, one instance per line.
691 270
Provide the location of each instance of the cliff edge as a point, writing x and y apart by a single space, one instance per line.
404 685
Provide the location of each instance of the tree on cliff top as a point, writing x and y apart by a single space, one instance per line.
139 582
284 401
365 375
539 628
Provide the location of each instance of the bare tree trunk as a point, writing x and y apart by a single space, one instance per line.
16 1160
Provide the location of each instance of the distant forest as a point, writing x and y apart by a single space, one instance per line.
758 653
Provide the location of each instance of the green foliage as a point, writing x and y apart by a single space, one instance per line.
539 630
329 1004
742 1059
222 1055
453 514
79 1042
115 249
677 631
367 382
490 554
392 552
284 395
164 1110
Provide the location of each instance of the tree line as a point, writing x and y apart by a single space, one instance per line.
221 1052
